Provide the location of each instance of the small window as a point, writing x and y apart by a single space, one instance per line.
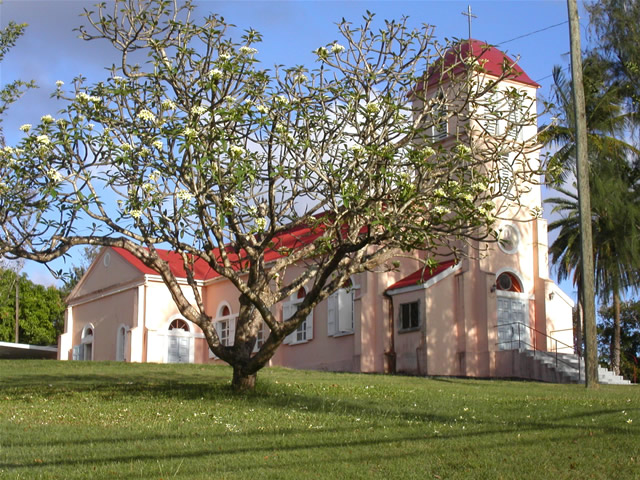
409 315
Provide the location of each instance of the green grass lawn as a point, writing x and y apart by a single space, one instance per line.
113 420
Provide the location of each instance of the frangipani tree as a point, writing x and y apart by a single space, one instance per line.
202 151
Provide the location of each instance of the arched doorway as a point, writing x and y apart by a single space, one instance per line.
179 342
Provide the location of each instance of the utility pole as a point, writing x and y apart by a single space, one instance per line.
17 307
584 200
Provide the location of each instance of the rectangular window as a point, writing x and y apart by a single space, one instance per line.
409 315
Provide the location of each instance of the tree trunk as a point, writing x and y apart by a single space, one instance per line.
615 347
242 380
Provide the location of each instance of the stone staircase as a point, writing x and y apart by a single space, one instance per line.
565 368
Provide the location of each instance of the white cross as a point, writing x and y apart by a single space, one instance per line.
468 14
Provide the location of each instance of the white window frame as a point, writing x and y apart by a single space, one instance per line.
225 324
304 332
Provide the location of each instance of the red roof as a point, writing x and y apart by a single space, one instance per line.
491 60
421 276
281 246
201 270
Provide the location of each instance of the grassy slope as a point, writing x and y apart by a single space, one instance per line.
108 420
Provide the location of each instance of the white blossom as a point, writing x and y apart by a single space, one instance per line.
168 104
373 107
244 50
236 150
282 100
462 149
215 74
135 213
184 195
300 78
117 78
147 187
224 56
26 127
321 52
337 48
230 99
261 223
262 109
54 175
59 83
188 132
199 110
440 210
145 114
428 151
154 176
158 144
43 139
47 119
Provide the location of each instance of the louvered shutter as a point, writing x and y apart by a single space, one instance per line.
345 310
332 311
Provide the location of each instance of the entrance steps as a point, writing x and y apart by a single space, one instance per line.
561 368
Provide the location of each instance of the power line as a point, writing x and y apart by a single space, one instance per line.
531 33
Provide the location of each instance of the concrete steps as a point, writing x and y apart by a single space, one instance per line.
564 368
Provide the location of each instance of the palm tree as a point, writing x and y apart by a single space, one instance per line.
616 240
614 199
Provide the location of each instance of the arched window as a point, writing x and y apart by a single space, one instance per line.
225 325
508 282
179 324
85 351
121 341
304 332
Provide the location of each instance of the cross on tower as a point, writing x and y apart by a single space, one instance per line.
469 15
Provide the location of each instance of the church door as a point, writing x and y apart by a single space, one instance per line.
513 323
178 349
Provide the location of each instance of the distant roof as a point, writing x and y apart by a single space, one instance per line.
421 276
492 61
9 350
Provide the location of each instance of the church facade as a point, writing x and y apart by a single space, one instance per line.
463 319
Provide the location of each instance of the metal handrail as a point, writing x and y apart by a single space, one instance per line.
534 347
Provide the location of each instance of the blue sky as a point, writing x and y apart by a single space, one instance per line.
51 51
